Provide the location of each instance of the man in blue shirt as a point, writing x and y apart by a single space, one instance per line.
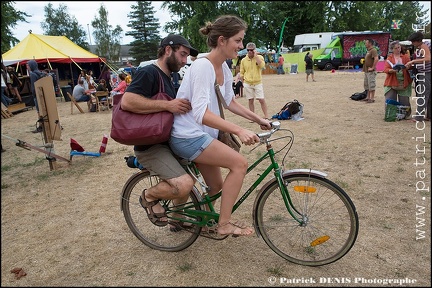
79 92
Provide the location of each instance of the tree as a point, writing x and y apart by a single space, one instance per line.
361 16
9 19
265 18
59 22
106 38
145 32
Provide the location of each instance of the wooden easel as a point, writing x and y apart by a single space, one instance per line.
48 116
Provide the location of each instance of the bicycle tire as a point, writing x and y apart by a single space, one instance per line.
331 221
159 238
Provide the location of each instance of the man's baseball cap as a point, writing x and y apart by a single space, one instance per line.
178 40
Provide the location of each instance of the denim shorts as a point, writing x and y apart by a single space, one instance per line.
190 148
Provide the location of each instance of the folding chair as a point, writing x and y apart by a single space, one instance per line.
102 100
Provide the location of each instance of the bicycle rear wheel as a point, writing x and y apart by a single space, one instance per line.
160 238
329 225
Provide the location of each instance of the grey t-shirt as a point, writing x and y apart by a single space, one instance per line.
78 92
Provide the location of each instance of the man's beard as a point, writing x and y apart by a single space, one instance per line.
172 63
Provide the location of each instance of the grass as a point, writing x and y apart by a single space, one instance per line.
185 267
276 271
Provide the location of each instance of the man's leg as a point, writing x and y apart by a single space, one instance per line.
366 86
251 105
264 107
177 183
259 94
372 85
249 91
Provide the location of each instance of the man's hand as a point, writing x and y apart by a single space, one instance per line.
179 106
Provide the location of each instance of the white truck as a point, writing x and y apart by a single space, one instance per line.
312 41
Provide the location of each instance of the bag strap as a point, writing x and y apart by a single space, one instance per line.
220 99
161 84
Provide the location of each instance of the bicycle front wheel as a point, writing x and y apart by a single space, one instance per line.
160 238
328 224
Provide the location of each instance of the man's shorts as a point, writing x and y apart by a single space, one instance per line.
160 159
253 91
370 81
309 71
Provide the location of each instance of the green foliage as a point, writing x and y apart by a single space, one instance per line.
145 31
59 22
264 19
9 19
106 38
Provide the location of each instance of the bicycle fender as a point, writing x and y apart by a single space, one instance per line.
313 172
303 171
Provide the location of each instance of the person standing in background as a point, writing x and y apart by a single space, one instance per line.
4 99
306 57
15 83
397 84
132 68
369 69
90 80
229 62
309 68
106 75
35 74
238 86
250 71
281 61
83 76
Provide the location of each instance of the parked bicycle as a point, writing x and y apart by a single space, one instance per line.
300 214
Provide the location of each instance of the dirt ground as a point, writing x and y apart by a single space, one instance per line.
65 228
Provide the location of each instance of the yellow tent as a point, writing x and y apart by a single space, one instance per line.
42 48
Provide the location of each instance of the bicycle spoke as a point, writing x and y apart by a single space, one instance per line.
165 238
328 226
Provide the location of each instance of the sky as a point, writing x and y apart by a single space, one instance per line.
84 12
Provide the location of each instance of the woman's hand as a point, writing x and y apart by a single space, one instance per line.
264 124
248 137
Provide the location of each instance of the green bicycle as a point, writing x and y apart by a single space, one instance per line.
301 215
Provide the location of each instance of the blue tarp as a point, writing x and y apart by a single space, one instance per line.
259 50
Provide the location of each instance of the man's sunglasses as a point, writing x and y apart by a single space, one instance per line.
249 50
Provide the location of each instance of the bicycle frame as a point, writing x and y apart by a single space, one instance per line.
206 201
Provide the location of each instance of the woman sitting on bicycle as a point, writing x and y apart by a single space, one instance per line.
194 134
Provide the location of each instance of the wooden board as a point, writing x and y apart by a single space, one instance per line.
48 106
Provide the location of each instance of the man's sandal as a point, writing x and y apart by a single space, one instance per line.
154 217
238 229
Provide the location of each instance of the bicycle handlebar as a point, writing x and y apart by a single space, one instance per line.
266 135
